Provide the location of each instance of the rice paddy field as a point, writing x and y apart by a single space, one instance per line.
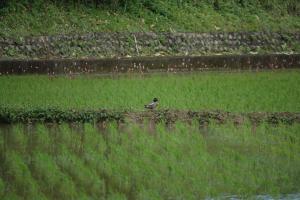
81 162
235 92
149 160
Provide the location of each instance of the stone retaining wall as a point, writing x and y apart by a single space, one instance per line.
147 44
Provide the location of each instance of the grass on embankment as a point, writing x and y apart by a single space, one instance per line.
235 92
80 163
46 18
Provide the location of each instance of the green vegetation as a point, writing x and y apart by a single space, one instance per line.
8 116
12 116
44 17
77 161
237 92
101 160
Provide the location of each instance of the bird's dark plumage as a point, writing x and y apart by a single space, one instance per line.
152 105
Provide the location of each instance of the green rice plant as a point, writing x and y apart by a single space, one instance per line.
2 143
256 151
86 179
237 92
2 187
150 163
18 177
138 161
42 140
61 140
71 160
18 140
51 180
77 137
11 196
94 146
116 196
228 171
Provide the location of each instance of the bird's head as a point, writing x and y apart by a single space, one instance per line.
155 100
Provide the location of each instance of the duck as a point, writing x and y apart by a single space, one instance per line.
152 105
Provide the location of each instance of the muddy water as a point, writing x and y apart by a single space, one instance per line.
150 64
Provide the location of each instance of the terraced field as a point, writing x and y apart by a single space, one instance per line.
214 135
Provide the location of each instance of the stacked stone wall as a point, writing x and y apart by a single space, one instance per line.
100 45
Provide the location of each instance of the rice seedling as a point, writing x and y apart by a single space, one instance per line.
182 161
237 92
18 177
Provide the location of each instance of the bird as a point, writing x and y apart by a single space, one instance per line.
153 104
